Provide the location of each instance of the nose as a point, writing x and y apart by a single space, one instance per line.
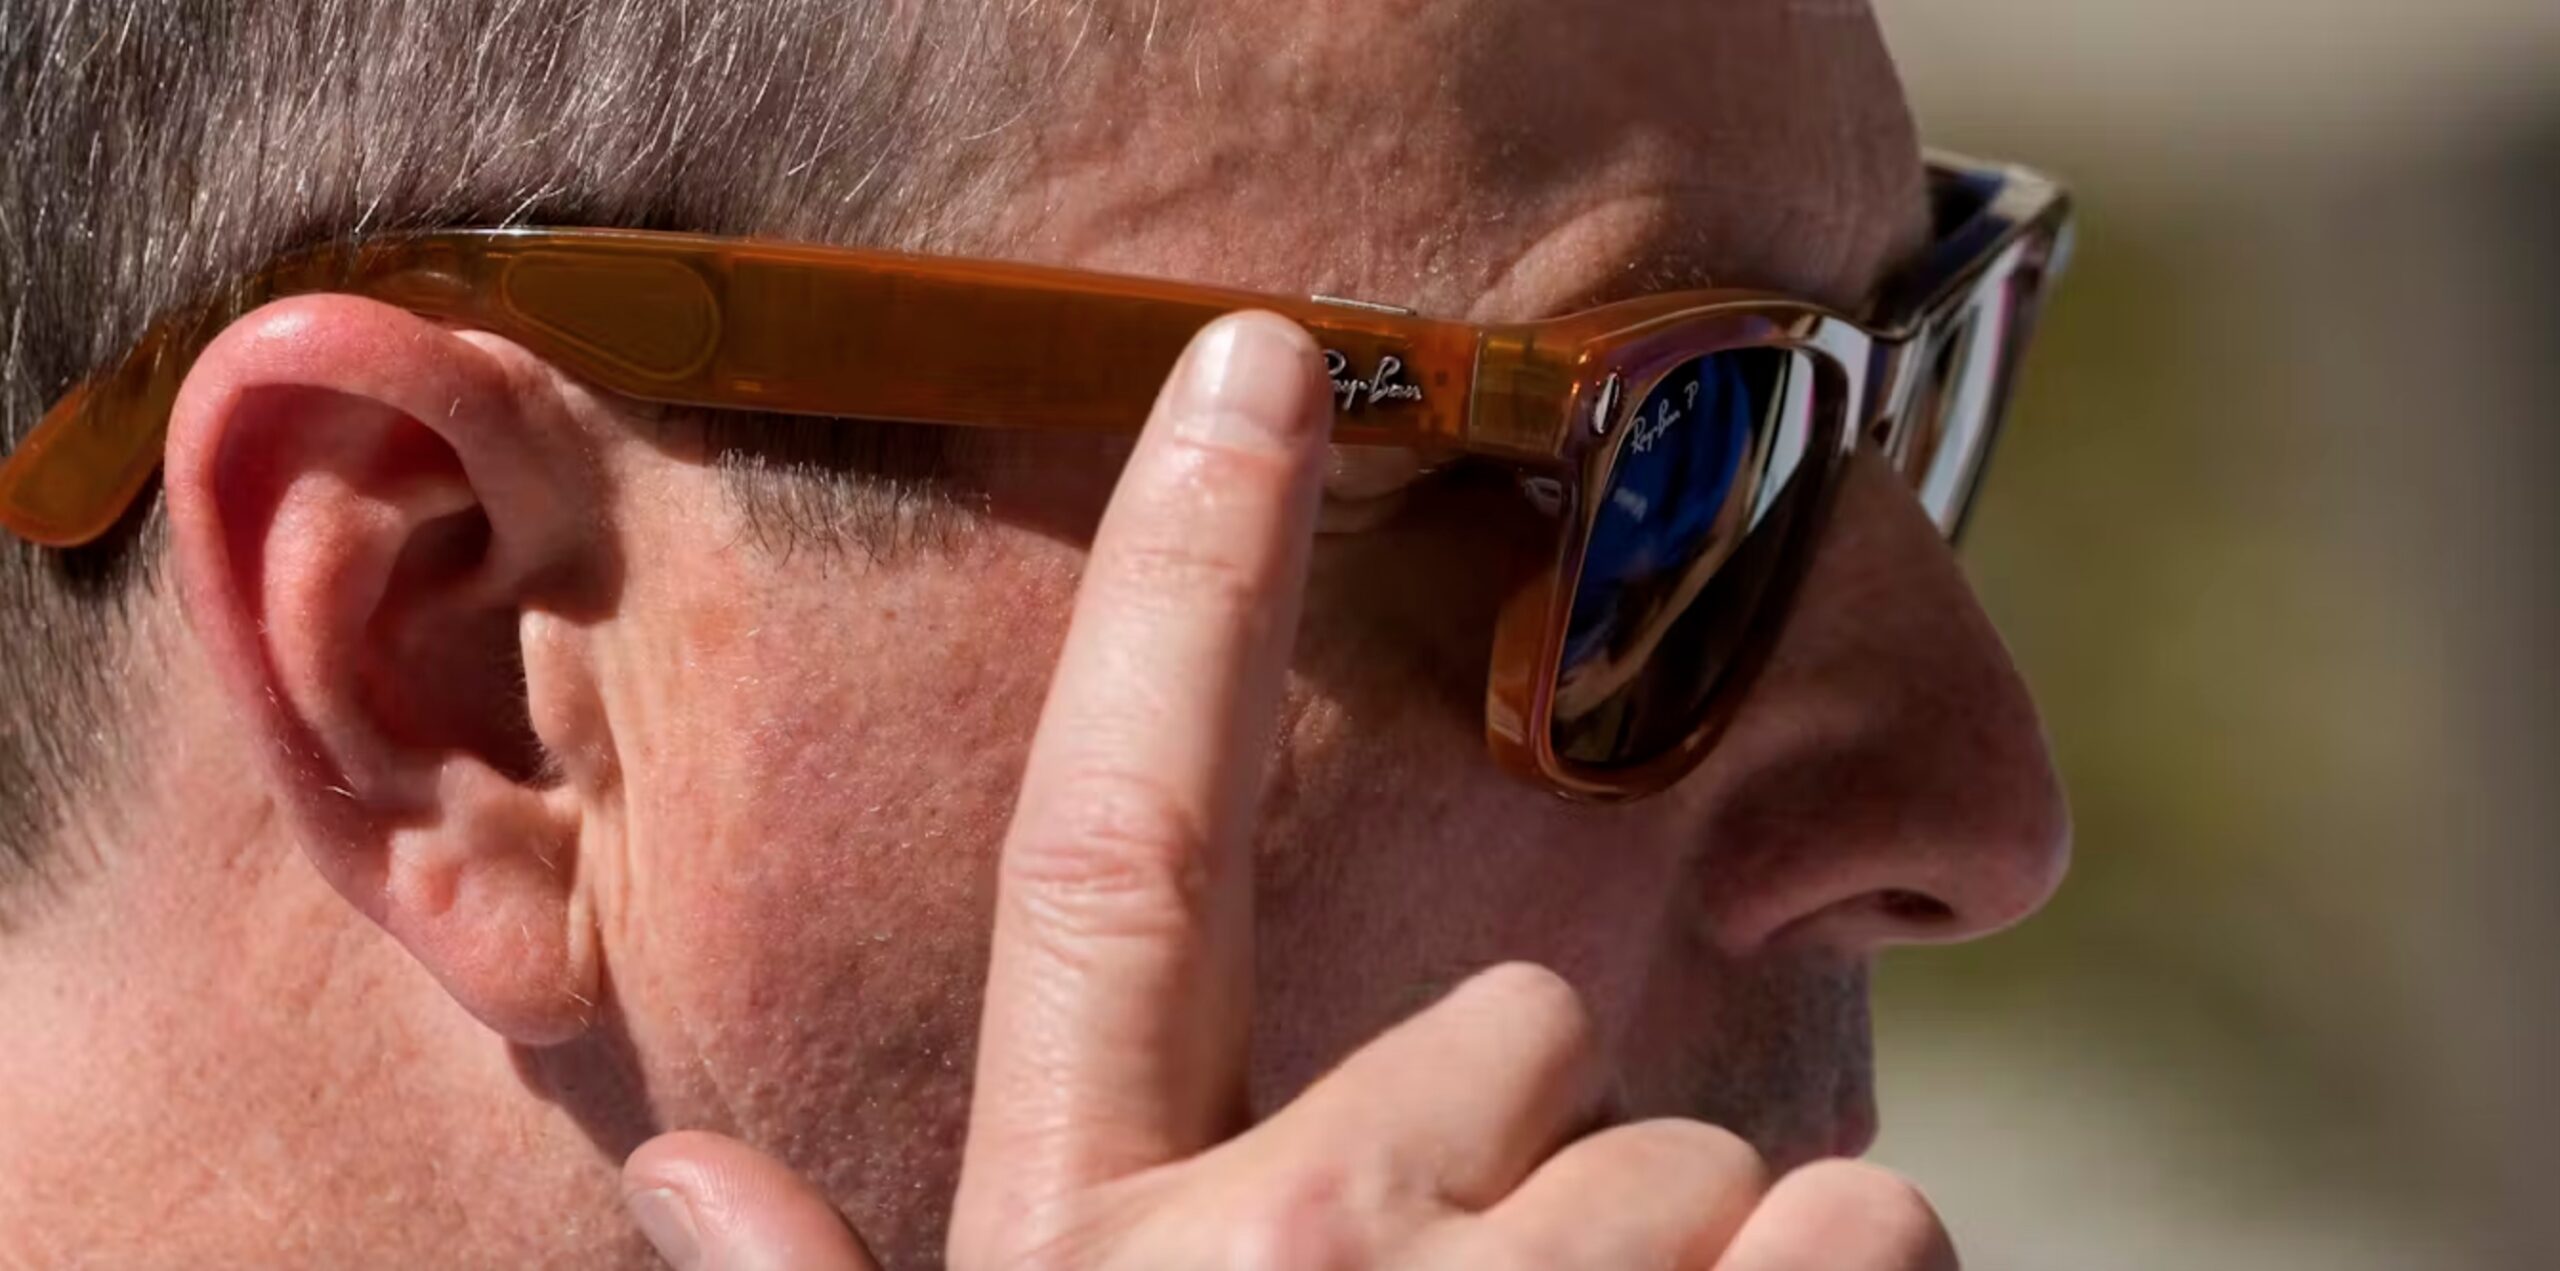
1886 781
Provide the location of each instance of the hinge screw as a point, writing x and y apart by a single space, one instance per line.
1604 408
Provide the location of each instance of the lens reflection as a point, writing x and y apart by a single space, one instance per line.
1709 486
1955 404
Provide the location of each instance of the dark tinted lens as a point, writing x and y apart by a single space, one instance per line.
1716 472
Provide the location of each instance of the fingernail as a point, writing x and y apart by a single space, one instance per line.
1249 381
668 1223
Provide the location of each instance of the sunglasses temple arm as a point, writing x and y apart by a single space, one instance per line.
755 327
750 327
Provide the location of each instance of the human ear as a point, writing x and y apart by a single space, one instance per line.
388 536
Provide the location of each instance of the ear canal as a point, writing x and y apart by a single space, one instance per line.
482 649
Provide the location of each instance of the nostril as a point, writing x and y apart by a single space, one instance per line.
1911 908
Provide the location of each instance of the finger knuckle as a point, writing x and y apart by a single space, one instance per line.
1198 464
1120 853
1310 1221
1185 565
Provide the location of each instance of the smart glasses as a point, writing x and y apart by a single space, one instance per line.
1686 446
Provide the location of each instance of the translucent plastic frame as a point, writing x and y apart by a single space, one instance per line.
864 335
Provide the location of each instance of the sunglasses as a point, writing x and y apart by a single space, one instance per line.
1686 446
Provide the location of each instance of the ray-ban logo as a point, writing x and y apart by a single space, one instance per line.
1386 387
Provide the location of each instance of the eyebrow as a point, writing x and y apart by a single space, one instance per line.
1651 270
1679 254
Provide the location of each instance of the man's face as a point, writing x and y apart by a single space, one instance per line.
818 752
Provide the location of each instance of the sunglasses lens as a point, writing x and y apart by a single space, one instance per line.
1708 499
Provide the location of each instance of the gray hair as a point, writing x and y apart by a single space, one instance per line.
155 149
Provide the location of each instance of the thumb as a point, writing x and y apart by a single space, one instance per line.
709 1203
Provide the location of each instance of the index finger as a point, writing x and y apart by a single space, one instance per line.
1117 995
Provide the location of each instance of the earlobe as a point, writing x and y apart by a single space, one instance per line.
370 514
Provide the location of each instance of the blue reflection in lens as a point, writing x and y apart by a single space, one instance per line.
1674 572
1675 471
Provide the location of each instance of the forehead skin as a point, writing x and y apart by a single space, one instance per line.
1488 158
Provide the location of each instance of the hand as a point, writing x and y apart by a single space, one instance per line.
1109 1125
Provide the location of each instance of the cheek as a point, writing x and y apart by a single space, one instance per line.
1395 861
830 759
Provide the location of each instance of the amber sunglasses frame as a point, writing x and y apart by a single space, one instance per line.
861 335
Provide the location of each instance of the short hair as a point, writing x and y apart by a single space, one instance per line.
157 149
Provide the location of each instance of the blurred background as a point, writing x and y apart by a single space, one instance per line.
2273 535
